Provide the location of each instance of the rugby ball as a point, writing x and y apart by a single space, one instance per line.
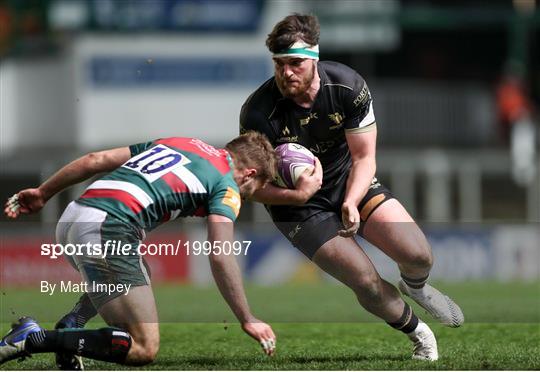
293 160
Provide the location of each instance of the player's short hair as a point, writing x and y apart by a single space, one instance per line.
290 29
253 150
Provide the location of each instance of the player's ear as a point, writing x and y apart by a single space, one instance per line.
250 173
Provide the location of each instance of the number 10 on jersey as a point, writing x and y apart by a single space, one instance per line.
157 161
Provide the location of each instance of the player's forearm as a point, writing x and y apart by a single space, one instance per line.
82 169
71 174
229 281
360 177
225 268
273 195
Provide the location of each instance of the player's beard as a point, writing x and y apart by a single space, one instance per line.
296 88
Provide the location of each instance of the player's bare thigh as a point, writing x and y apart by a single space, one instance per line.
137 314
345 260
394 231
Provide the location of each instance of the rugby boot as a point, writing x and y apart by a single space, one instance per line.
425 344
438 305
66 361
12 345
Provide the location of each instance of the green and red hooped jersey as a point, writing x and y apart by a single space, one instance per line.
166 179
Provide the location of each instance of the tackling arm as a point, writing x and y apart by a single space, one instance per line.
307 185
32 200
229 281
225 268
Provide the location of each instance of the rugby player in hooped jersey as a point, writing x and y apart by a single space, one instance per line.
148 184
327 107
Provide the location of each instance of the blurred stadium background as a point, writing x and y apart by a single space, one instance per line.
456 89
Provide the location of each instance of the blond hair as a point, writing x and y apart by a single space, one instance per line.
253 150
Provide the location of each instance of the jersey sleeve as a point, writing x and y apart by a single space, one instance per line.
253 119
226 200
359 109
137 148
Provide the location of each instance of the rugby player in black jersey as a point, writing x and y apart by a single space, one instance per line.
327 107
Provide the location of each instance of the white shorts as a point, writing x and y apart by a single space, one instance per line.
87 226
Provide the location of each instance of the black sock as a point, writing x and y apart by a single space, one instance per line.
415 283
408 321
107 344
83 311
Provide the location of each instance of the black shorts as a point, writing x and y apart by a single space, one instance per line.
311 225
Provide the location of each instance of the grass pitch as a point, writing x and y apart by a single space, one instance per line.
319 327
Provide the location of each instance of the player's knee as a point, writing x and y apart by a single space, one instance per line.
369 288
144 353
144 350
417 254
151 348
149 355
421 257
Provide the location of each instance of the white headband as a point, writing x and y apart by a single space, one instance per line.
299 49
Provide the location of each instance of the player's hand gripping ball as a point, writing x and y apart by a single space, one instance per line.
293 160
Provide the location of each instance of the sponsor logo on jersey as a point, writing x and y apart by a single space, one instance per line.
362 97
232 199
286 136
286 131
210 150
322 147
305 121
337 118
288 139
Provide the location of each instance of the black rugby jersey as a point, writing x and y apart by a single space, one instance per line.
343 103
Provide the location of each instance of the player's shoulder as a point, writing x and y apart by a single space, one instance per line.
263 99
339 75
174 143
